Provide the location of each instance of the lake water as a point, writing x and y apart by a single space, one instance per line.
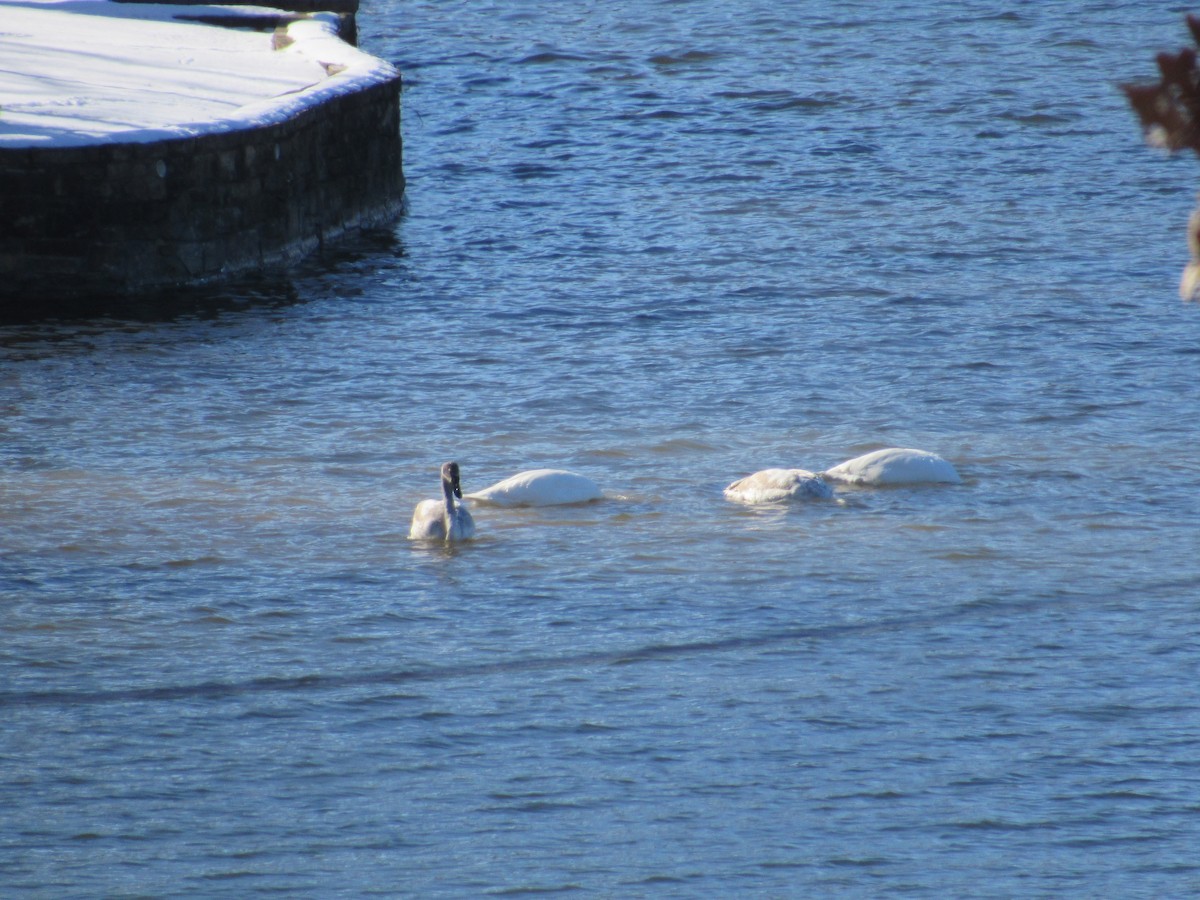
663 244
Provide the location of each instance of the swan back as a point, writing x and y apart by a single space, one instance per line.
893 466
540 487
443 520
775 485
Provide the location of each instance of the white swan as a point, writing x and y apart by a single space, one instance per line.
895 465
540 487
774 485
443 520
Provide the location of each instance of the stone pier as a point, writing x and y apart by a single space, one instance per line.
115 217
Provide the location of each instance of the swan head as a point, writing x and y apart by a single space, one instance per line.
450 478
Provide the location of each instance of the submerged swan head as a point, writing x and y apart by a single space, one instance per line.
540 487
776 485
443 520
895 466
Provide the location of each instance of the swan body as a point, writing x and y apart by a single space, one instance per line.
540 487
774 485
443 520
895 466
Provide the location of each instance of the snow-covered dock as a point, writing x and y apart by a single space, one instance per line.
142 146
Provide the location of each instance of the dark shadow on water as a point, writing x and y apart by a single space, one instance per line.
268 290
159 306
937 617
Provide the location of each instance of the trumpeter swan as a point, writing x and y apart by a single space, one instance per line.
895 465
773 485
539 487
443 520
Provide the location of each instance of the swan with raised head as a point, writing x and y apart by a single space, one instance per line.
775 485
893 466
540 487
443 520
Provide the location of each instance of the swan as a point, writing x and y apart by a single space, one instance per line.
773 485
895 465
443 520
539 487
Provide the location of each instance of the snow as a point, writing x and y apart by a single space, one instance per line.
75 72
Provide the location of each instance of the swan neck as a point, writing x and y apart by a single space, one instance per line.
448 495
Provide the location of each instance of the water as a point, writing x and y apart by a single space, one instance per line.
663 244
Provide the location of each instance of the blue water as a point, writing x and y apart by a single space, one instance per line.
663 244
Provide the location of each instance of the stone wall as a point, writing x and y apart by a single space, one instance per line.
131 218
